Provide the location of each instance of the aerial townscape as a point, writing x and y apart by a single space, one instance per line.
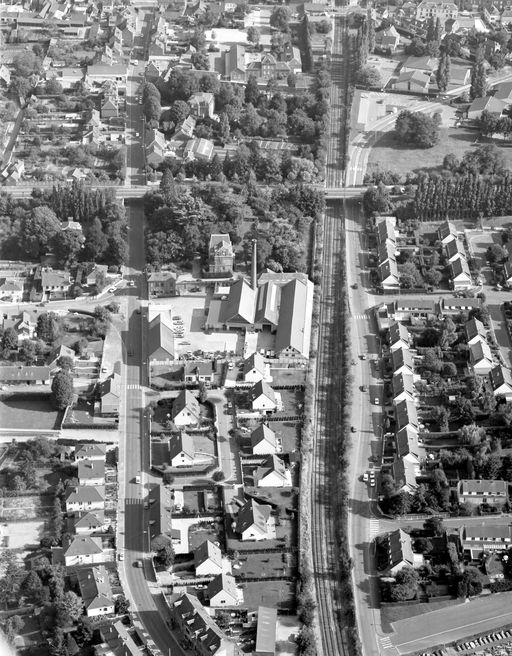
255 328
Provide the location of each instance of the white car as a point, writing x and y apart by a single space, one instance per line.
135 62
365 477
372 480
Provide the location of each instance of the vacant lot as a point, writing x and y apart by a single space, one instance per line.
388 154
22 535
265 564
29 411
24 508
275 594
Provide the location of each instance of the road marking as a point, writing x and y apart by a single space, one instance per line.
359 316
386 642
374 528
134 387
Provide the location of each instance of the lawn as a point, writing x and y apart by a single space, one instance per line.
275 594
29 411
390 614
388 154
264 564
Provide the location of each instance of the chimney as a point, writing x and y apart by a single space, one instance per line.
254 264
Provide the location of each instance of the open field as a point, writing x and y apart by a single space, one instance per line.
276 594
22 535
391 614
24 508
28 411
451 624
265 564
388 154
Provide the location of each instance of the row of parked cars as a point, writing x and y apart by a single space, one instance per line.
484 640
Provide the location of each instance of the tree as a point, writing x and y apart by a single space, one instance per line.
470 583
10 339
31 586
12 627
472 435
252 92
70 607
200 61
406 584
203 392
38 230
434 525
66 246
80 346
496 254
417 128
218 476
253 35
423 545
83 633
280 18
179 111
369 76
122 605
49 327
62 390
168 186
443 71
26 63
224 128
53 87
410 275
376 199
19 86
165 556
478 87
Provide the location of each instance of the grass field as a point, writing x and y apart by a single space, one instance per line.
28 411
388 154
391 614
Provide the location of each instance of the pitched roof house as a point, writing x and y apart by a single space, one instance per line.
252 522
207 559
90 452
83 550
222 591
181 450
85 497
186 410
95 591
263 397
263 440
91 472
476 492
480 357
399 550
160 342
272 473
254 368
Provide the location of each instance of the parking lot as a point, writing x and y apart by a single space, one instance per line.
192 315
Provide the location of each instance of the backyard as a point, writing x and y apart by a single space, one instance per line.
27 411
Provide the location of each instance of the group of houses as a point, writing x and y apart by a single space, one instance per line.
455 253
87 542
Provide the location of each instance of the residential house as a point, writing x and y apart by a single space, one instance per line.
406 415
26 375
254 368
100 73
272 473
161 283
22 324
223 592
480 357
456 306
386 251
388 275
386 230
61 351
399 550
207 559
94 271
501 382
434 9
55 284
202 104
399 337
185 130
88 523
460 274
476 539
95 591
264 441
475 331
11 290
109 108
506 17
252 522
413 81
198 372
405 473
196 625
90 452
116 640
110 395
491 104
68 78
425 64
504 92
447 232
402 387
161 503
263 397
476 492
85 497
454 249
387 40
198 149
186 410
492 14
181 450
401 361
221 254
155 154
91 472
160 342
407 445
82 550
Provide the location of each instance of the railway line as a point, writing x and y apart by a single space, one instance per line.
325 505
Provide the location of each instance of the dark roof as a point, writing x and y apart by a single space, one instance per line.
207 550
483 487
500 376
20 373
254 361
407 441
90 469
223 583
181 442
160 336
263 434
95 587
186 399
85 493
82 545
401 356
239 306
399 548
89 450
253 514
262 388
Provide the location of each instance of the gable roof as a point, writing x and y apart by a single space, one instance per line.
88 519
271 464
160 336
21 373
198 368
160 512
446 229
83 545
294 327
483 487
223 583
253 514
459 267
399 548
89 450
407 442
455 247
402 382
400 357
239 306
263 434
254 361
112 385
475 328
267 303
90 469
261 388
404 473
85 494
488 103
95 587
207 550
397 332
386 230
479 351
187 400
500 376
181 442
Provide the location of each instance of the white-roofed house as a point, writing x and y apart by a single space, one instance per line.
272 473
208 559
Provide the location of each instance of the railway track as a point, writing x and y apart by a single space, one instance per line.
328 411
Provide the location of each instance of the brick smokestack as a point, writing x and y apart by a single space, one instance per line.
254 264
